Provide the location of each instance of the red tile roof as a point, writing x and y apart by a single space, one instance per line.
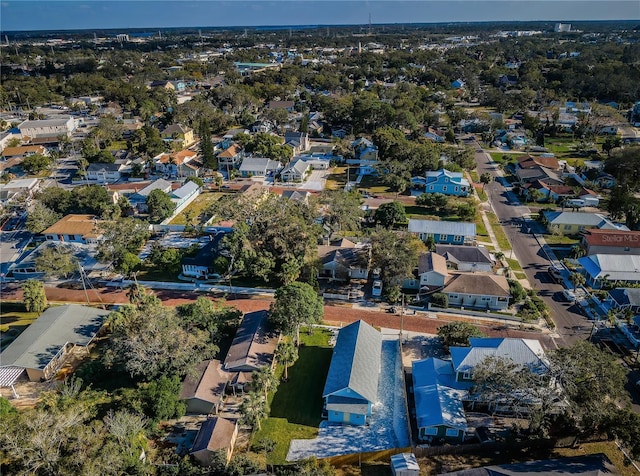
616 238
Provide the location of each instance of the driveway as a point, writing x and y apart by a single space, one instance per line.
316 182
570 325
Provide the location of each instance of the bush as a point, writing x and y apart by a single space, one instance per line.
518 293
440 300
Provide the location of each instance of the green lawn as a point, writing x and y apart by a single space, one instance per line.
498 157
481 230
501 237
296 406
13 320
561 240
338 177
198 208
372 185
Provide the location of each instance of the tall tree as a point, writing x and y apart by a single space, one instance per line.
40 218
57 261
160 205
395 253
458 333
388 214
34 296
253 409
294 305
207 153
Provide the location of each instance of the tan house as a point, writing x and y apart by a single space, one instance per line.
179 135
23 151
204 393
215 434
74 229
484 291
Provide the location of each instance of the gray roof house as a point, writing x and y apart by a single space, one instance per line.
449 232
258 166
466 258
571 223
253 345
351 387
625 298
295 171
42 348
604 267
478 290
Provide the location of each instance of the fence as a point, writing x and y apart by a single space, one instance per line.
467 312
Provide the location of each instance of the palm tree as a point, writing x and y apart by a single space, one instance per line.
577 251
253 409
287 354
576 279
263 379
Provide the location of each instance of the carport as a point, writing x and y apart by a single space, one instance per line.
8 376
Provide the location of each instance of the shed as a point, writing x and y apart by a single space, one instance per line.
215 434
405 464
204 393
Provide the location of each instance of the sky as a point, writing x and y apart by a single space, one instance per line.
100 14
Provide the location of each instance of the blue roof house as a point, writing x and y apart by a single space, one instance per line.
439 401
351 387
445 232
447 183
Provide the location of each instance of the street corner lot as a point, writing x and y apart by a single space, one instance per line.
388 426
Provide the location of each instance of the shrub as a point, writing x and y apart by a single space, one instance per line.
440 300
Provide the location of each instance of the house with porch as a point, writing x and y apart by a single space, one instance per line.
201 266
298 141
432 273
22 151
230 158
296 171
178 136
104 172
485 291
612 268
448 232
447 183
138 199
467 258
351 387
174 164
544 174
624 298
259 167
572 223
344 260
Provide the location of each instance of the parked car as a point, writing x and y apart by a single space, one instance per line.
376 290
555 273
569 295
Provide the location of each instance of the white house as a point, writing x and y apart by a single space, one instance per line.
295 171
101 172
48 127
74 229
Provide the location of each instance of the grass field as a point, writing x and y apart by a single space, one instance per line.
296 406
198 208
372 185
561 240
13 320
501 236
338 178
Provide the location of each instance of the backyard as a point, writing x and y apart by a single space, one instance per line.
13 320
296 406
197 209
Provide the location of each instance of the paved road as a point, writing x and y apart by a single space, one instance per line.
570 325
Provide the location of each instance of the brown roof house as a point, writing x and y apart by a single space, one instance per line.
615 242
530 162
75 229
215 434
204 392
478 291
252 348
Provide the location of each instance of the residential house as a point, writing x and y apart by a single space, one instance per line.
259 167
613 242
297 195
43 347
254 344
432 273
624 298
175 164
21 187
104 172
606 267
485 291
457 84
433 136
531 162
74 229
215 434
447 183
508 80
589 197
230 158
22 151
554 193
537 172
365 156
298 141
48 128
201 266
232 133
288 106
263 126
351 387
179 136
344 260
449 232
163 85
203 392
440 415
138 199
186 193
467 258
572 223
605 180
296 171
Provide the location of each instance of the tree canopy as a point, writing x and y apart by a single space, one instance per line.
295 304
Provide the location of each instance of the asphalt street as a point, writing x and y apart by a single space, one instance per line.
570 325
